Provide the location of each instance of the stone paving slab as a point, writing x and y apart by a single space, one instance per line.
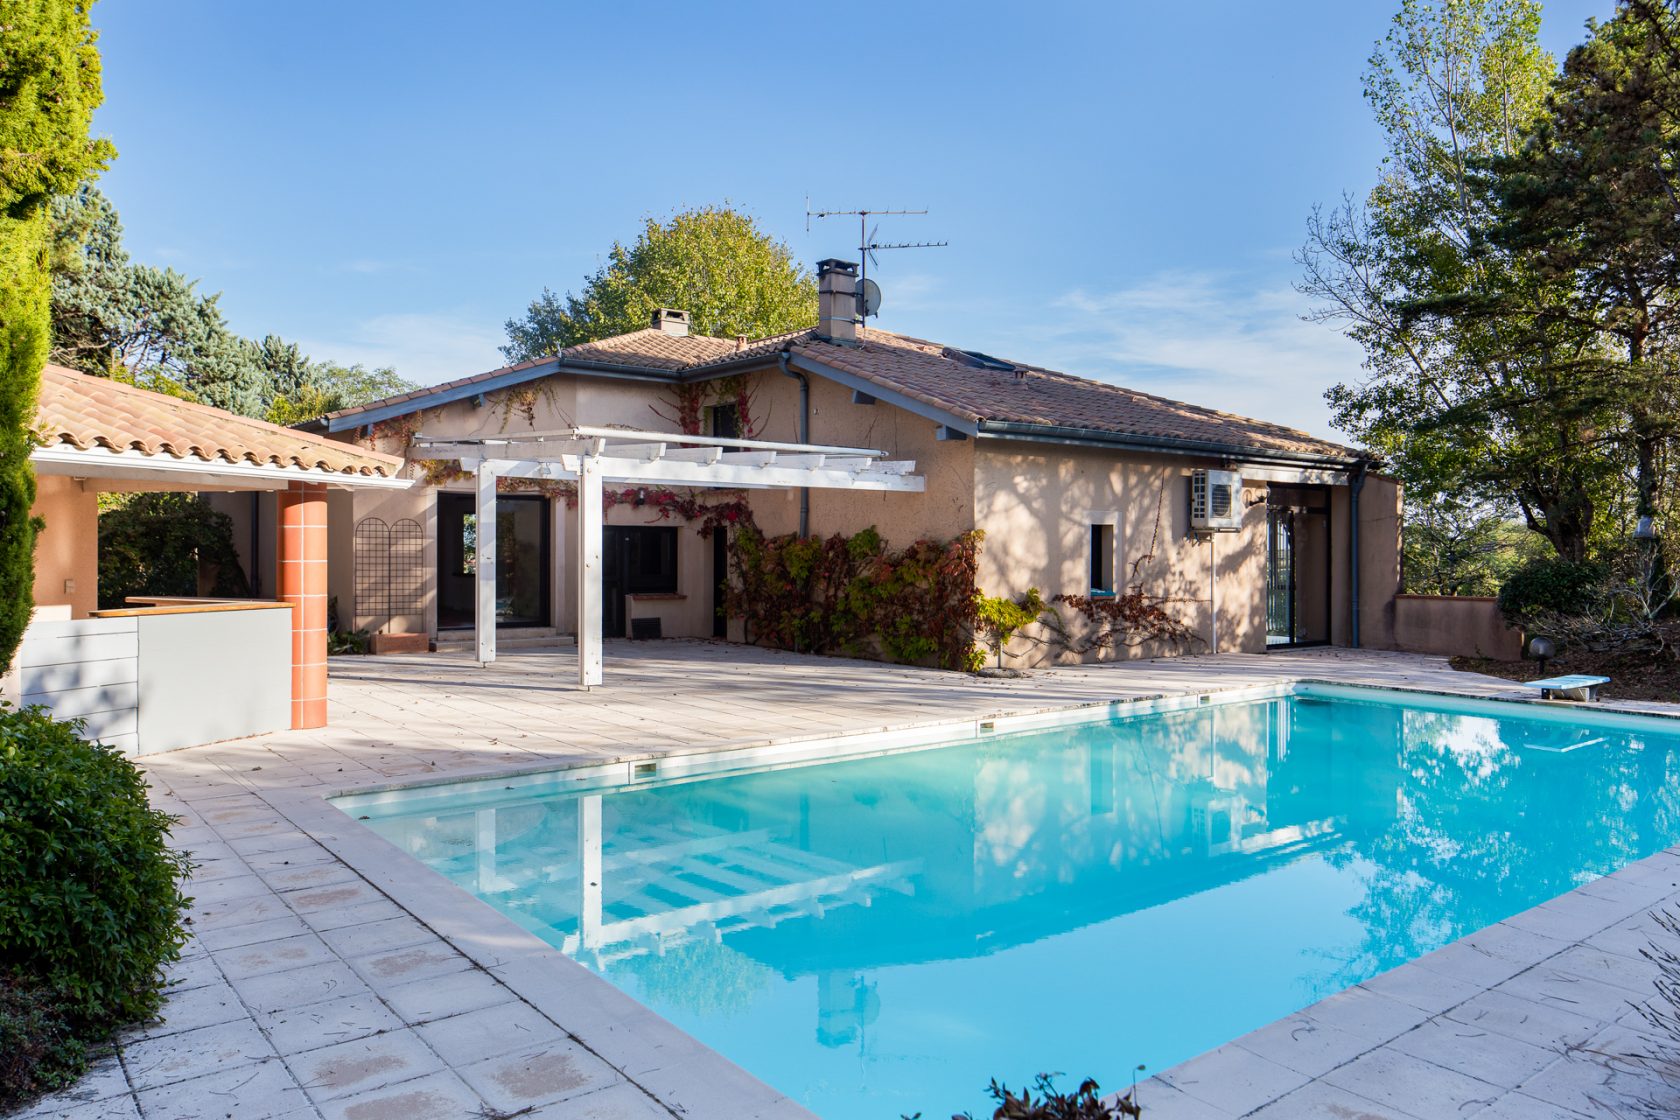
315 988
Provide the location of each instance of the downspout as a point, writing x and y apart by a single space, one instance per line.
804 436
1355 485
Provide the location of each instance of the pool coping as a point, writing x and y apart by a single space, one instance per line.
693 1080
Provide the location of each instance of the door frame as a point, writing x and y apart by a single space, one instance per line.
1294 567
455 498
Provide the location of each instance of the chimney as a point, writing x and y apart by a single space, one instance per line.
671 321
837 301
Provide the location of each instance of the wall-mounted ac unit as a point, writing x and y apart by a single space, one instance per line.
1216 501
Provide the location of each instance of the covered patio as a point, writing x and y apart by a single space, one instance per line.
157 673
589 457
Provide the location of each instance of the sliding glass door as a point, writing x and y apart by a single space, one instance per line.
524 564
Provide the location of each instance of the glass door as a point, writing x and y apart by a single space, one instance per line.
524 565
1280 577
1297 566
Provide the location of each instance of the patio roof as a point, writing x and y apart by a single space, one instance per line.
591 456
95 427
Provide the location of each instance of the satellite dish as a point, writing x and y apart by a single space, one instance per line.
869 297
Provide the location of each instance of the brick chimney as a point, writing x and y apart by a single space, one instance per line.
671 321
837 301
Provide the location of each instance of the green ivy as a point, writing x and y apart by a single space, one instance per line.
854 595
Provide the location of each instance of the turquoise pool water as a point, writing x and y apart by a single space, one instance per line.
882 935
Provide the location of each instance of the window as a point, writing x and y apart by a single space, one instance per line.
649 556
1102 559
725 421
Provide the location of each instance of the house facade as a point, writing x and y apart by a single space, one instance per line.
1253 535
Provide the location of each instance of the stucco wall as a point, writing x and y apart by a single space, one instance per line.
67 549
1464 625
1036 504
943 510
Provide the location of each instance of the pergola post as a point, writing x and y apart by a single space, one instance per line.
592 456
587 565
484 554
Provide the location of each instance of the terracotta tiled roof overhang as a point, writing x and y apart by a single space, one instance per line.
1016 402
84 413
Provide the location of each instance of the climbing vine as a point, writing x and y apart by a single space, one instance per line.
854 595
686 405
684 408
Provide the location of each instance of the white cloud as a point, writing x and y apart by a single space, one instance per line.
1215 339
423 347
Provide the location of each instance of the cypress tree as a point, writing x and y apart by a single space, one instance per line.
49 88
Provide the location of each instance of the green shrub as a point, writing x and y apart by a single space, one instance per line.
997 619
39 1048
1084 1103
1553 586
90 900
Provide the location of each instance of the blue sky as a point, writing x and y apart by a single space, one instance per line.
1122 184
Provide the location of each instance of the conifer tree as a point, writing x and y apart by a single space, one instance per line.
49 88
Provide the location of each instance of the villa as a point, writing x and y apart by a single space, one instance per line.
723 881
1261 536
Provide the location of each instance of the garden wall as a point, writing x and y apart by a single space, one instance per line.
1454 625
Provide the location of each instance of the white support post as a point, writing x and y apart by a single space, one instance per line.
587 564
484 556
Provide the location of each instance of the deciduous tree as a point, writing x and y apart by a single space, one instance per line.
713 262
1471 384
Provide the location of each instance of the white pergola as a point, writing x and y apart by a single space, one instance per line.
593 456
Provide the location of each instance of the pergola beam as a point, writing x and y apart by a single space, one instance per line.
892 476
593 456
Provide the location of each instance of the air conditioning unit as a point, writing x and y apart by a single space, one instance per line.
1216 501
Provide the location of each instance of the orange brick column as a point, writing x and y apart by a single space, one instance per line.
302 571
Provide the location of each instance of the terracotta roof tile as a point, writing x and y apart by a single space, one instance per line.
923 371
80 411
653 349
937 376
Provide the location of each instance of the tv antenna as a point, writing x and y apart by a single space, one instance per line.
868 246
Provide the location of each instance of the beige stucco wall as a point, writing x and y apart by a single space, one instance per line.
67 548
1466 625
1379 572
943 510
1036 504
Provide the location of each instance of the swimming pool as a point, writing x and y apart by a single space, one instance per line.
882 933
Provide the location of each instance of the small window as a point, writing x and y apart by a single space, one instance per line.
1102 559
725 421
650 559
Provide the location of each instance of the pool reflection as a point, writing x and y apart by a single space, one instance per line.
1191 875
